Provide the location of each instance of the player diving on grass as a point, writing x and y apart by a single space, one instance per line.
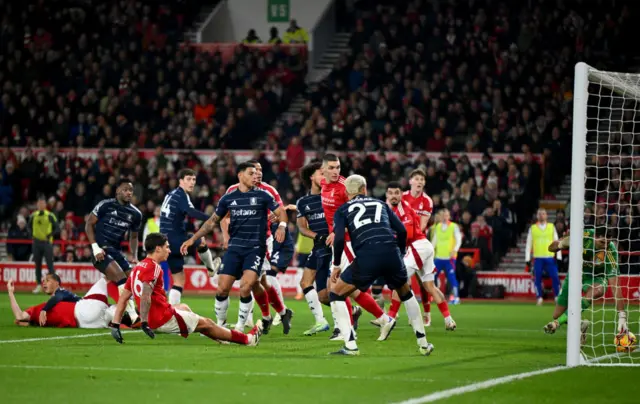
248 207
175 208
599 268
146 286
106 228
378 252
311 223
65 309
419 257
278 255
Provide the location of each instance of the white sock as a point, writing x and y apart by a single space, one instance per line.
207 258
243 313
273 281
174 296
336 326
415 319
314 305
344 323
131 306
221 308
298 278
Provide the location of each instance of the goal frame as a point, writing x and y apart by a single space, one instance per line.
582 74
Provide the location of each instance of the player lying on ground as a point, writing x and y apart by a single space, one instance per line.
65 309
175 209
378 252
268 279
311 223
248 207
419 257
106 228
599 268
146 286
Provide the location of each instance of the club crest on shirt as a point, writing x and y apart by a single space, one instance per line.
253 201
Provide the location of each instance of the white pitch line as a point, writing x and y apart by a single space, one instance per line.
439 395
17 341
214 372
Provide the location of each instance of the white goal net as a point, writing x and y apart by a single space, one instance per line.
606 154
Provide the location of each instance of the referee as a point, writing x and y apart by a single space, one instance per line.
42 225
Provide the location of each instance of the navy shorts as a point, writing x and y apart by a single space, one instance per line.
111 254
320 261
176 260
366 268
380 282
236 261
281 257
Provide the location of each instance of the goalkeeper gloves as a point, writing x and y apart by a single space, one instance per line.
622 322
115 332
147 330
320 240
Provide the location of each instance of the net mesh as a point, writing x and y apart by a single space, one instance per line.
612 208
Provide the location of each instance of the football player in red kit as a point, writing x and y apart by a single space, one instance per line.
334 195
145 283
420 254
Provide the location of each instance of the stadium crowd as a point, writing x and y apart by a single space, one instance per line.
475 77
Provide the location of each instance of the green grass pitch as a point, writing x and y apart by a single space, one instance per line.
492 340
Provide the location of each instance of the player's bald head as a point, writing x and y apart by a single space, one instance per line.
356 185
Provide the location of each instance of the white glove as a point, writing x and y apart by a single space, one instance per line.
622 322
96 249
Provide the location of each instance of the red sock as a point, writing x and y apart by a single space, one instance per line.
113 291
263 302
444 309
274 299
238 337
426 300
395 306
349 309
367 302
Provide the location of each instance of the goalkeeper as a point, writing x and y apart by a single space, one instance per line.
600 267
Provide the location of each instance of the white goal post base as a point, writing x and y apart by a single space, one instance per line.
606 120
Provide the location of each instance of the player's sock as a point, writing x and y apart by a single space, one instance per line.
444 309
206 257
298 278
563 319
174 295
243 313
221 308
347 301
275 284
415 318
367 302
339 307
238 337
426 300
263 302
274 299
395 306
113 289
313 301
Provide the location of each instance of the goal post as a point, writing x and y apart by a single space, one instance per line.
606 120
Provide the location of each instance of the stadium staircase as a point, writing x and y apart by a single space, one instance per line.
322 69
514 261
201 20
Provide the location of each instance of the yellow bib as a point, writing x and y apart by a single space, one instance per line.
42 225
304 244
541 240
445 241
153 226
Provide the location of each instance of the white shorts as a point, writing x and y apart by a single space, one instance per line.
190 319
347 256
419 259
266 264
92 313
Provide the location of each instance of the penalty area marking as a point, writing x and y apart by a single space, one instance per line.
439 395
214 372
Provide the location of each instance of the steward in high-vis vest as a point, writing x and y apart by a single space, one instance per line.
42 225
446 240
295 34
251 38
274 38
539 237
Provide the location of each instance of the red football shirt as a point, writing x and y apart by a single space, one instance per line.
149 271
411 221
422 204
334 195
61 315
271 190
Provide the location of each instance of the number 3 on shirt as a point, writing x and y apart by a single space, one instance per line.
362 208
165 208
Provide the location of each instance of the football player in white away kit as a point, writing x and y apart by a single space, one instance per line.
419 257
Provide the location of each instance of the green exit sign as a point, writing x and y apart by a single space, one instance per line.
278 10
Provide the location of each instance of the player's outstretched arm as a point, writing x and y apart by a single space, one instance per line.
224 226
125 295
20 316
145 306
303 228
90 230
282 226
205 229
133 245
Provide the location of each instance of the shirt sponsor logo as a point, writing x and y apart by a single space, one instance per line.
316 216
244 212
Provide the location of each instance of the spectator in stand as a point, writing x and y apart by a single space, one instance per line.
295 155
475 241
19 231
484 231
295 34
